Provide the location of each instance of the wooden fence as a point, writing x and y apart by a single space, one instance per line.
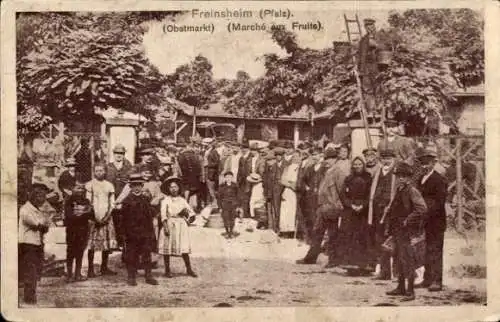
462 162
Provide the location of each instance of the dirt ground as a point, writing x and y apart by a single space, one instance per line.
258 269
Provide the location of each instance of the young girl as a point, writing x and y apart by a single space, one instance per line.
101 194
175 213
78 212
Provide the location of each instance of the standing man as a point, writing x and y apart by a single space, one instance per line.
138 231
328 213
371 161
83 159
403 147
213 167
117 173
232 162
191 168
243 172
382 191
67 180
33 225
274 174
433 187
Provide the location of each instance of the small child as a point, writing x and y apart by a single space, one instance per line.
228 202
78 212
101 194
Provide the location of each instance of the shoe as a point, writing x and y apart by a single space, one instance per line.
235 234
424 284
330 265
91 274
69 279
132 282
192 274
151 281
381 277
80 278
304 262
407 297
107 271
435 287
154 265
396 292
167 275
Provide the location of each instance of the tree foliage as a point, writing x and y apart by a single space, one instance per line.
193 83
454 34
70 64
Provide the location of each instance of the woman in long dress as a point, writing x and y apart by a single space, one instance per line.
288 208
175 213
353 243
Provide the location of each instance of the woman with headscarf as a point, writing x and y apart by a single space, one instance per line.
353 244
175 214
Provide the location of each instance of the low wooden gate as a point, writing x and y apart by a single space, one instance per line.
462 162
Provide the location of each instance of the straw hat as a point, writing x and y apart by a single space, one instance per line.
254 178
165 185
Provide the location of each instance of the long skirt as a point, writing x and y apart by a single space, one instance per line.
102 238
288 210
178 241
353 244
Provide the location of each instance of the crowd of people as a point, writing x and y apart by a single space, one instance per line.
372 207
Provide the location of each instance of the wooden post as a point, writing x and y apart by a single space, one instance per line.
296 134
460 188
194 121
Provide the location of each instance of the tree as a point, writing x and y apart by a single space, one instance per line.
193 83
70 64
456 35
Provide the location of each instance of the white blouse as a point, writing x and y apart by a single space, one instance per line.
172 206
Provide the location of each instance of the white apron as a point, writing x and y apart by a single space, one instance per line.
288 209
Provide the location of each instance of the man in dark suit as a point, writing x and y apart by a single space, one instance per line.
243 185
433 187
274 173
213 170
191 168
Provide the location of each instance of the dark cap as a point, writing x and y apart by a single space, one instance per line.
387 153
330 153
391 123
279 151
146 151
369 151
368 21
135 178
403 169
228 173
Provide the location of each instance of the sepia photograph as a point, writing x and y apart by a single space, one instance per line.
250 157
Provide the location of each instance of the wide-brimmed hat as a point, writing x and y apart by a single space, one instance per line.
119 148
228 173
135 178
254 178
70 162
166 183
40 185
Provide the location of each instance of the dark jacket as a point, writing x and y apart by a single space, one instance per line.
77 225
137 218
66 181
356 190
434 191
213 166
191 169
117 177
228 196
407 212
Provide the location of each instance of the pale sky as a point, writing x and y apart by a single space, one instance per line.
230 52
